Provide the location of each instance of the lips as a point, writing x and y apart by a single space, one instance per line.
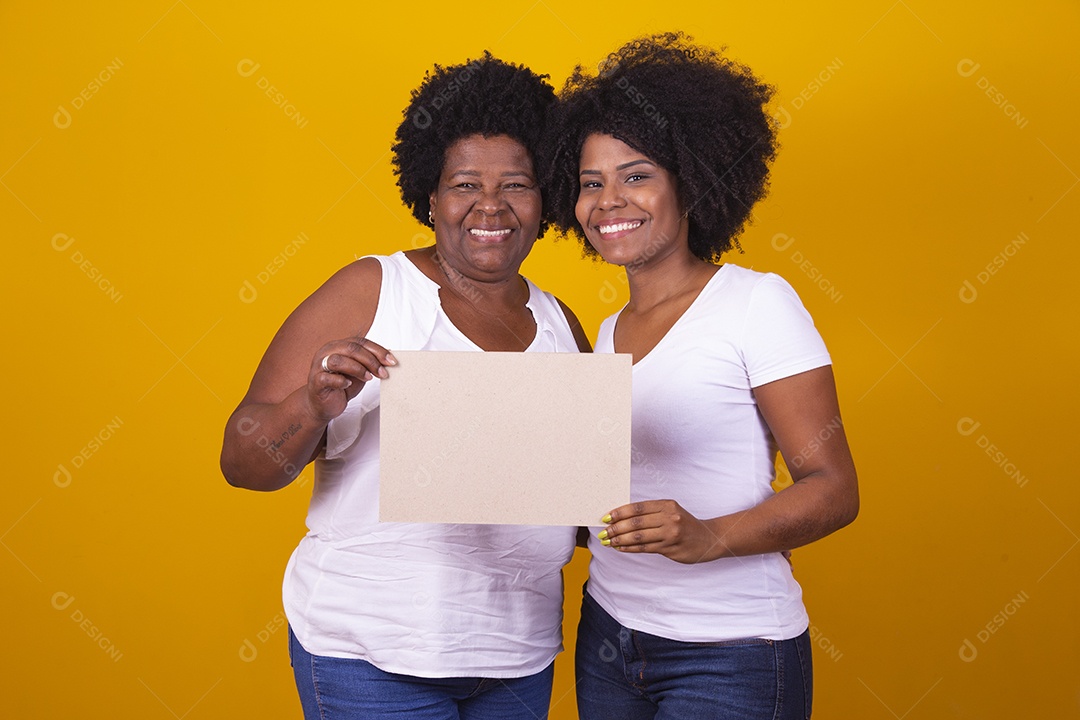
490 235
617 228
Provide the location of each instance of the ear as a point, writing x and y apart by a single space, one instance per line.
431 205
684 209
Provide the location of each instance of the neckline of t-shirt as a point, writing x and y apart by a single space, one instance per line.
706 288
434 288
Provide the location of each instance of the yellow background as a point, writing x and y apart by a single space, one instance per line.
139 585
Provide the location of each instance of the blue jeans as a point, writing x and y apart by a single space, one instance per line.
349 689
632 675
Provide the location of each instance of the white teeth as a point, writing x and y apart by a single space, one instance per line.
607 229
490 233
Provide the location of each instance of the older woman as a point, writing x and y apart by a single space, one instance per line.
397 619
691 610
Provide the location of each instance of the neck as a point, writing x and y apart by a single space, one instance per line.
655 283
498 296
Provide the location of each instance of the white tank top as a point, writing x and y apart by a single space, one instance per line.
429 600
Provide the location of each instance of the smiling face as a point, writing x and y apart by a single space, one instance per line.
628 205
486 208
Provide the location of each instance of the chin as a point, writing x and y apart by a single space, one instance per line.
614 256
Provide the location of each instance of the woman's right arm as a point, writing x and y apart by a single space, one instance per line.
280 425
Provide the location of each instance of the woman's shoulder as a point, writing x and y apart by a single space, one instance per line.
347 299
750 282
747 275
551 311
546 300
373 270
358 278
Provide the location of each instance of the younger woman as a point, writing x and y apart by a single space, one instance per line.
691 610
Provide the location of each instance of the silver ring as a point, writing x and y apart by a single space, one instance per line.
325 367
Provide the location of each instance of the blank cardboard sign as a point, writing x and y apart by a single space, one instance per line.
504 438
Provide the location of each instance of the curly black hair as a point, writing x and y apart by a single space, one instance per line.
485 97
697 114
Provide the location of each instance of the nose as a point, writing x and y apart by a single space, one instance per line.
610 197
491 202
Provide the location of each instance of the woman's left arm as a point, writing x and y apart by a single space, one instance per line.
803 414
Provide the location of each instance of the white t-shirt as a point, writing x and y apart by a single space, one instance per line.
699 439
429 600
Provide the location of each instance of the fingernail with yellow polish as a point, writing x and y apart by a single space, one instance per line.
602 535
606 519
605 542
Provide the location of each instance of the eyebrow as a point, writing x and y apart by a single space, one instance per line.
477 173
618 167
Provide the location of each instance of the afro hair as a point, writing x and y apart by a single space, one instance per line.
694 112
485 97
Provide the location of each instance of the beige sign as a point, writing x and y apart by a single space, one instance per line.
504 438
